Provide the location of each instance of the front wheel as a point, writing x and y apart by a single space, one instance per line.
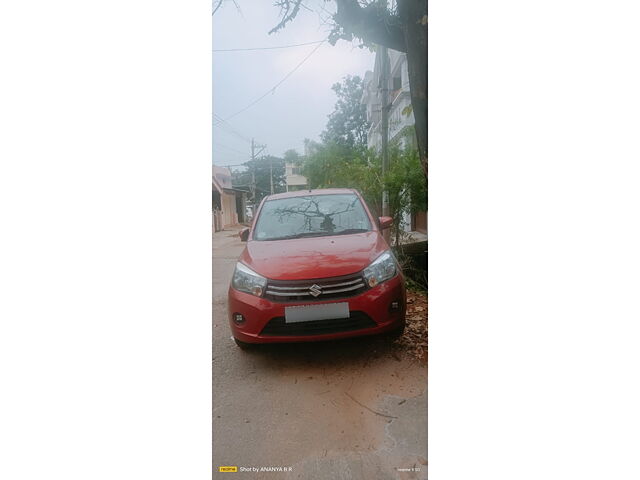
396 333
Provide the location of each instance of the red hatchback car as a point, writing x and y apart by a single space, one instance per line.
315 267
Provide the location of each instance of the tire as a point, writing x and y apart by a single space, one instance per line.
243 345
396 333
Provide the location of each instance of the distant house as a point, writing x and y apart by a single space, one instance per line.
294 179
229 203
218 192
401 119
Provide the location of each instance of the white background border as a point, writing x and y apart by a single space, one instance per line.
534 240
105 258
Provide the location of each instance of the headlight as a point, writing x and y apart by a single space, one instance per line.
246 280
381 269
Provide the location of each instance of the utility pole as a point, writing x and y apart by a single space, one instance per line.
271 173
384 126
254 156
252 187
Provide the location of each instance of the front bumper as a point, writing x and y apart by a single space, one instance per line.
370 312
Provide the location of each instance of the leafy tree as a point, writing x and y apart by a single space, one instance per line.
401 27
260 171
333 165
407 190
348 124
327 164
292 156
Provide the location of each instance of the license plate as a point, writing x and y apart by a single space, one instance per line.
309 313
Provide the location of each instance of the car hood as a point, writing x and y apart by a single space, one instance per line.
315 257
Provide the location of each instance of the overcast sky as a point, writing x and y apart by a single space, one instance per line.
298 108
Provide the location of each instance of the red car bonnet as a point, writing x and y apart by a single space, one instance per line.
314 257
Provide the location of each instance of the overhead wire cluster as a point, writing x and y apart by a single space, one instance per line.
265 48
272 89
218 144
223 123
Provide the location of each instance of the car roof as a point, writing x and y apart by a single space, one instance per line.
307 193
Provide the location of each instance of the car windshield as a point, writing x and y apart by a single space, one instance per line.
311 216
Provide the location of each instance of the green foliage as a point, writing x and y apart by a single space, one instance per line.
292 156
347 125
334 166
408 110
342 159
414 286
327 164
400 25
260 169
406 186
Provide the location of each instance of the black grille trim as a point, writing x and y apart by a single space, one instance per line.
300 290
356 321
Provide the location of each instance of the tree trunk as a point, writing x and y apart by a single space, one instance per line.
406 32
413 14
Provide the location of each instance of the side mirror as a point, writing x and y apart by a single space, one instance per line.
244 234
385 222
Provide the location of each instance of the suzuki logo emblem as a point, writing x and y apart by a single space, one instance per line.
315 290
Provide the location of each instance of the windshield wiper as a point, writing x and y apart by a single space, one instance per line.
351 230
319 234
300 235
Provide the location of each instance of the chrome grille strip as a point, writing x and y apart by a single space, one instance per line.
339 290
287 294
331 288
290 288
343 284
324 292
321 285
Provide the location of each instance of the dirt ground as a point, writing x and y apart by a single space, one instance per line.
415 339
353 409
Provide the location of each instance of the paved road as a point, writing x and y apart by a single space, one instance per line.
334 410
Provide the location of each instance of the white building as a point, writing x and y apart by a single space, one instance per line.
401 120
295 180
229 203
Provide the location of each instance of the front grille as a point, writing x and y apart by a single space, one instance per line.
356 321
325 288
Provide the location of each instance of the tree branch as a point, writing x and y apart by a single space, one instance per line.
372 411
215 9
288 10
371 23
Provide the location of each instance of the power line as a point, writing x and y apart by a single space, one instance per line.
224 129
271 90
235 165
265 48
229 148
228 128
